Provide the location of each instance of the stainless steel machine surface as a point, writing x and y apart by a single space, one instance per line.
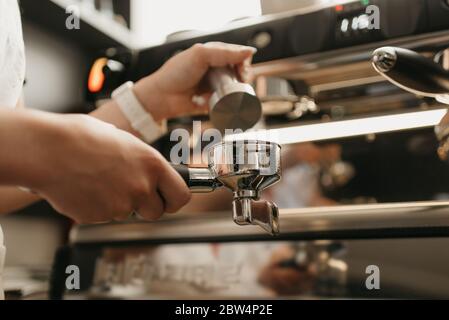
358 221
204 256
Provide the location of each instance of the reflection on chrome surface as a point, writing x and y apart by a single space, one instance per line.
225 270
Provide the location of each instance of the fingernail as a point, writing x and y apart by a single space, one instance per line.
252 49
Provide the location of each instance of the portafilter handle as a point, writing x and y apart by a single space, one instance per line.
199 180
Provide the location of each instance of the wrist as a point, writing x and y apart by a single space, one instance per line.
140 119
151 98
24 135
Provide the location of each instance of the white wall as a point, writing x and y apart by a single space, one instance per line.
153 20
277 6
55 71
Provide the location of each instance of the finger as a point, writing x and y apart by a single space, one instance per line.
122 217
218 54
244 70
173 189
152 207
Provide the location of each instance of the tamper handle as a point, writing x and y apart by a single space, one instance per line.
233 104
220 77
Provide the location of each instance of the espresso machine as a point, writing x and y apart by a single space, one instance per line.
333 88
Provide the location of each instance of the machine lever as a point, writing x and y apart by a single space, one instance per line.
412 72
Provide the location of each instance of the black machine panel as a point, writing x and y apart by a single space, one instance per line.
311 33
438 14
329 28
271 38
356 22
403 17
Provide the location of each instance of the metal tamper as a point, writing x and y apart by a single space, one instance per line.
233 105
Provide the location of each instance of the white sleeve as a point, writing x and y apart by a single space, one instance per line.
12 54
2 262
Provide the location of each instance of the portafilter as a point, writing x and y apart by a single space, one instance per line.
246 168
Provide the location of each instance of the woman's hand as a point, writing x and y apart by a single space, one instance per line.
168 92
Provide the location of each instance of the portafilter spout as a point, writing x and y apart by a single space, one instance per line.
246 168
248 211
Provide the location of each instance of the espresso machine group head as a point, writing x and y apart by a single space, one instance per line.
246 168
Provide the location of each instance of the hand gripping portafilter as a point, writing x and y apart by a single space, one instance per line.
246 168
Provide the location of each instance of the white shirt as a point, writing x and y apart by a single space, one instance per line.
12 73
12 54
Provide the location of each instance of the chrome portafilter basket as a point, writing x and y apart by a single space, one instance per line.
246 168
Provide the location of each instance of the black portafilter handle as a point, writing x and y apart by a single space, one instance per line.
183 171
199 180
411 71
